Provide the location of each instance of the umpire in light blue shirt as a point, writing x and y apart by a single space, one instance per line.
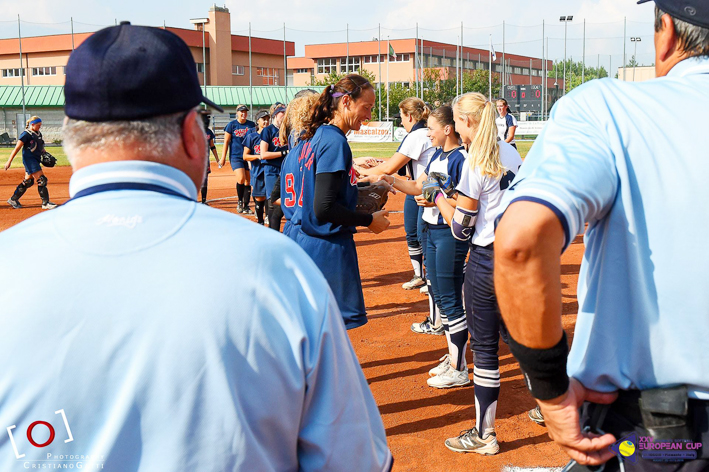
114 355
622 159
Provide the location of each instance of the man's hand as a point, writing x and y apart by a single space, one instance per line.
561 416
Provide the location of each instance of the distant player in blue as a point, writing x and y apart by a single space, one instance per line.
252 154
32 145
209 136
445 255
619 162
291 175
272 153
329 192
234 137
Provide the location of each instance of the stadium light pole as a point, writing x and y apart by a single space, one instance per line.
635 40
565 20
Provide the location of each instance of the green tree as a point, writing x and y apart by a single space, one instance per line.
574 74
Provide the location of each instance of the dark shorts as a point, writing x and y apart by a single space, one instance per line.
336 257
258 185
271 175
238 163
31 164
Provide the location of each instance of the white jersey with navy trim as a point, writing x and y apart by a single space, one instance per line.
488 192
151 367
417 147
450 163
504 123
618 156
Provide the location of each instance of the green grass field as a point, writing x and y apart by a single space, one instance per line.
380 150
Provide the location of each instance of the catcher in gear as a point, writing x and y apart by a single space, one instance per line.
33 155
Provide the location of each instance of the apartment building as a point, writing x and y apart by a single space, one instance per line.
401 67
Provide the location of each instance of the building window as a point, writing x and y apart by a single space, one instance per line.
517 70
200 68
353 66
237 70
374 59
37 71
327 65
302 71
268 74
400 58
12 72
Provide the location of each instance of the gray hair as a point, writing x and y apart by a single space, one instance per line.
694 40
155 138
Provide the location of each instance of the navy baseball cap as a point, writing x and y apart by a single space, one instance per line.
262 114
279 109
695 12
128 72
242 108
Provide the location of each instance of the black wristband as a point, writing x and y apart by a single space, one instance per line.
544 369
284 152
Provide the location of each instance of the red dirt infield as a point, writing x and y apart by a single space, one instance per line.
395 360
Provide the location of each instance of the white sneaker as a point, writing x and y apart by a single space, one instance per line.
442 367
424 289
425 327
470 441
450 378
49 206
14 204
416 282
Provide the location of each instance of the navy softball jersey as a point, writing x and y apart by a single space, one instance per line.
253 142
32 150
238 134
331 246
291 187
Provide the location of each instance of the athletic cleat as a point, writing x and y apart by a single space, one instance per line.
442 367
535 414
49 206
416 282
450 378
470 441
247 211
425 327
424 290
240 207
14 203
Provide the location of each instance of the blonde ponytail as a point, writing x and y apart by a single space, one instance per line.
484 151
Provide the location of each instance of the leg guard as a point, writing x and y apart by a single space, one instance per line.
42 188
22 188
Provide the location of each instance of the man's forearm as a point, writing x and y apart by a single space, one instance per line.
528 243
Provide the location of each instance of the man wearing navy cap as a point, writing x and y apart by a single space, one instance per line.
119 358
619 161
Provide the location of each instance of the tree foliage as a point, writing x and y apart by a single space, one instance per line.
575 73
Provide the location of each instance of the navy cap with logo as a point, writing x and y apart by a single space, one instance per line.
262 114
279 109
131 72
695 12
242 108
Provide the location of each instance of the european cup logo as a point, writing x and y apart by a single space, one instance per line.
626 447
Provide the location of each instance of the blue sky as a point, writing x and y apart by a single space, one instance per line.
321 21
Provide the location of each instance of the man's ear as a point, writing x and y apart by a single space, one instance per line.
666 42
192 136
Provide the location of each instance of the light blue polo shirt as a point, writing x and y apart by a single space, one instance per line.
141 351
631 160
